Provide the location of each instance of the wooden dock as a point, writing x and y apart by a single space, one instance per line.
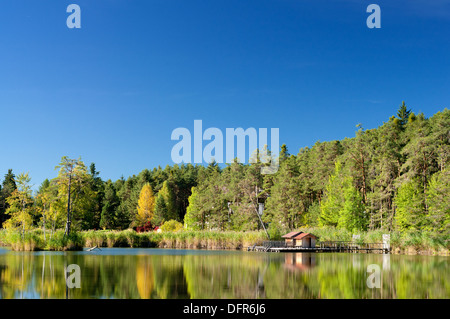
329 246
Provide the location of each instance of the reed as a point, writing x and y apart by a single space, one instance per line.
185 239
34 240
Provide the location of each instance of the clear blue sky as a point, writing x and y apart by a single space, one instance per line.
113 91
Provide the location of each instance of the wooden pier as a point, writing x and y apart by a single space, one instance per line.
326 246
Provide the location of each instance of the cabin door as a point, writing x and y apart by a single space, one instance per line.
308 242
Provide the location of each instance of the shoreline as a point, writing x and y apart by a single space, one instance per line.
408 251
200 240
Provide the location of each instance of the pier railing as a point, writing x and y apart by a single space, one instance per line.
350 245
274 244
329 245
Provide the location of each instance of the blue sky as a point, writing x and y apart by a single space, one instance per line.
113 91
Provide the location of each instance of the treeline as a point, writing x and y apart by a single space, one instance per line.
394 177
94 203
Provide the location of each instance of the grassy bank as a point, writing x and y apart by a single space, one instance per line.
34 240
406 243
181 239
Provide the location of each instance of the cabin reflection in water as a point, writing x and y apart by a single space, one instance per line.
299 261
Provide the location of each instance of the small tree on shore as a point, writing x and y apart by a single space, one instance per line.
71 178
20 205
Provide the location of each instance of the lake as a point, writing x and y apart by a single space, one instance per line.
130 273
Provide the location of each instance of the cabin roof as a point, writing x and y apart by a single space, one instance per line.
304 235
292 234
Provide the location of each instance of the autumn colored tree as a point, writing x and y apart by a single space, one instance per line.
20 205
146 205
72 182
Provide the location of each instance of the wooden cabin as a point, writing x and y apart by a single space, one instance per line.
300 239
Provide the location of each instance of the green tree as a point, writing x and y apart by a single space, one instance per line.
109 218
438 215
7 188
352 217
343 205
195 217
410 206
160 210
93 214
72 181
165 208
403 114
333 202
20 205
285 206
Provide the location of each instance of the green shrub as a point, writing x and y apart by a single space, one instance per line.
59 242
171 226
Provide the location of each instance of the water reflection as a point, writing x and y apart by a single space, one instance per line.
299 261
167 274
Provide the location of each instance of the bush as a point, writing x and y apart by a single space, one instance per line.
172 226
59 242
275 232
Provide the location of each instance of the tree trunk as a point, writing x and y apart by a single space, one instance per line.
67 232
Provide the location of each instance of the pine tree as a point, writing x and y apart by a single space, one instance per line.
7 188
109 210
166 210
284 207
161 212
92 219
403 114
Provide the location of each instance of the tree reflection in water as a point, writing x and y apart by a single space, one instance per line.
168 274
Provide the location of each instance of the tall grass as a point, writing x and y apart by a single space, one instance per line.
412 242
2 238
60 242
34 240
180 239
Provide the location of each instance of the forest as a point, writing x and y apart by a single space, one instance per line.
392 178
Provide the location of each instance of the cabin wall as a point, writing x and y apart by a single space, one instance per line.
308 242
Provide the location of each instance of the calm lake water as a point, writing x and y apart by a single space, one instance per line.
128 273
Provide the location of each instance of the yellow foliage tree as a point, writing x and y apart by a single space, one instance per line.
20 206
146 205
